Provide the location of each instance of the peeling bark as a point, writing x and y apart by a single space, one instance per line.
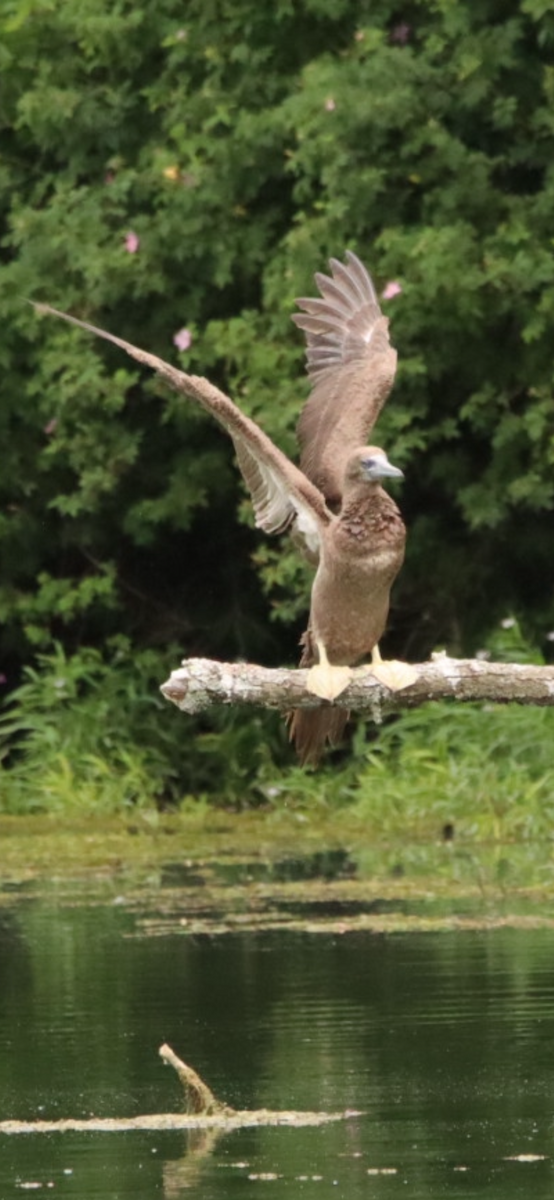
202 683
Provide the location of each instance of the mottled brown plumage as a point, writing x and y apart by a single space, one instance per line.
360 557
340 516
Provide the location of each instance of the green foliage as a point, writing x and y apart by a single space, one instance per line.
240 145
83 733
92 732
487 770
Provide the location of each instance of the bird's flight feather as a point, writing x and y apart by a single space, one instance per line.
351 365
281 493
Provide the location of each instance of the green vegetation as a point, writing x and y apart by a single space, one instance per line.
90 734
171 171
486 771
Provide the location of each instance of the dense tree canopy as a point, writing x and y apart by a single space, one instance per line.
176 174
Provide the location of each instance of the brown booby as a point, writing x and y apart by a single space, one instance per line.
341 517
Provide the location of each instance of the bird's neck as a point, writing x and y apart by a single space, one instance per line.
361 496
367 515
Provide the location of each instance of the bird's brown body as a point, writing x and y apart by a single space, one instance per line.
361 555
340 516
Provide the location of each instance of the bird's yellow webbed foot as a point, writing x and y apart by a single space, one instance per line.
326 680
394 674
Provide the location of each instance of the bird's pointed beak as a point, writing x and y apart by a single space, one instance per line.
386 470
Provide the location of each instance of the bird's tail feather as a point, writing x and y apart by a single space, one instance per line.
311 729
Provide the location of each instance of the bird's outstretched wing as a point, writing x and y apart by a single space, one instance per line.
351 365
281 493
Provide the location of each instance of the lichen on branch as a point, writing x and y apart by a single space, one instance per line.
200 683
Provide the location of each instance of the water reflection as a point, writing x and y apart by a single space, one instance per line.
185 1173
443 1040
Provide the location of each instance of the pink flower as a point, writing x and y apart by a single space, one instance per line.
392 288
51 426
330 104
182 339
132 241
3 679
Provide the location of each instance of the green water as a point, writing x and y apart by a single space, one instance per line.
444 1040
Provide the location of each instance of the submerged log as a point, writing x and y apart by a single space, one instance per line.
175 1121
201 683
207 1112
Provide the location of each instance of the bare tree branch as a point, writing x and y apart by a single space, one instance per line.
201 683
199 1097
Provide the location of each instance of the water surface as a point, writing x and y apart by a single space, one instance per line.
444 1041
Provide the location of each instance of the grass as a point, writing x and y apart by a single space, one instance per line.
487 770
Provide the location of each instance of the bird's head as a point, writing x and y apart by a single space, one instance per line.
371 465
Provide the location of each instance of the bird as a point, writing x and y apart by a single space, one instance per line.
342 519
351 367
